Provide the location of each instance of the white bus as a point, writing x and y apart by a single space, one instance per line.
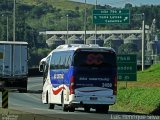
80 76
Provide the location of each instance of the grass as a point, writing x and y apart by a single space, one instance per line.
150 75
141 96
135 99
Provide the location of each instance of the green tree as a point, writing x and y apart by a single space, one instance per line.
128 6
128 48
35 55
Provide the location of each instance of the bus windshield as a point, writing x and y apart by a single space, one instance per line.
94 59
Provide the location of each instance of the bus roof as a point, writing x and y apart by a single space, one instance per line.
74 47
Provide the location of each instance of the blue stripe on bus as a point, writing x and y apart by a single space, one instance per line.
59 81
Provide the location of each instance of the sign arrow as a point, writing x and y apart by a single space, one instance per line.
126 18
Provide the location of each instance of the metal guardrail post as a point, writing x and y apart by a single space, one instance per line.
5 98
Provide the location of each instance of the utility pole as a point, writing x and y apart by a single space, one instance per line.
143 40
95 26
7 28
85 20
6 15
14 22
67 29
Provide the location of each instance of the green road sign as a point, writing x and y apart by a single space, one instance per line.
129 58
127 77
127 67
111 16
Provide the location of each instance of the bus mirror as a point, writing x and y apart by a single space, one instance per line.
41 68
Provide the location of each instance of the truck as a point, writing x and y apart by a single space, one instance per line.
13 65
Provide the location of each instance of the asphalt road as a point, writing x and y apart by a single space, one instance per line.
31 102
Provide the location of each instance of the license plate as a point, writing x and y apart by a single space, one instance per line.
93 98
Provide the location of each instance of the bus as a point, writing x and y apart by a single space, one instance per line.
80 76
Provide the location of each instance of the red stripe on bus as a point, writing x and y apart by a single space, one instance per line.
55 92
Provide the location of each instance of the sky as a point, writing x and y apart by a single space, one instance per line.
121 3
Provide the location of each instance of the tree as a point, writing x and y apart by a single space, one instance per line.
128 48
128 6
35 55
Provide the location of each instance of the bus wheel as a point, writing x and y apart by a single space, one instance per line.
87 109
47 97
51 106
64 107
102 109
71 109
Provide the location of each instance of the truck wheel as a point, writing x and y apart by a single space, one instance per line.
24 86
22 90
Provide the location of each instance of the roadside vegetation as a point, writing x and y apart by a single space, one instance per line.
142 96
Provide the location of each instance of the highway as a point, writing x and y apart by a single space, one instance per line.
31 102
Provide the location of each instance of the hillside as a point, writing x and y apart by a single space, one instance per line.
150 75
51 14
142 96
60 4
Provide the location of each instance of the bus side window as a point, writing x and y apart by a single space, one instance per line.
59 63
63 57
53 64
69 61
65 62
56 57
